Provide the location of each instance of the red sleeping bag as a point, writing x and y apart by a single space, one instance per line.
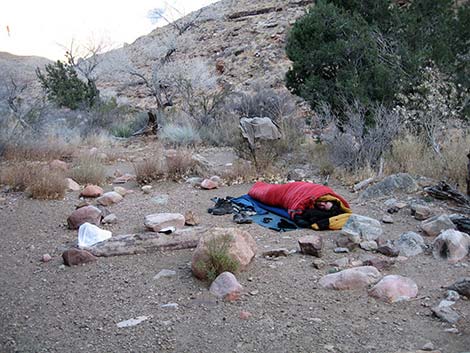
294 197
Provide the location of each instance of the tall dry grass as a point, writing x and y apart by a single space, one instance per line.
40 181
412 155
88 169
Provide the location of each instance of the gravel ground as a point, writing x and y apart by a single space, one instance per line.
47 307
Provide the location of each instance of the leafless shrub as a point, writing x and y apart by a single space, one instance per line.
88 169
179 164
264 103
362 138
17 175
241 171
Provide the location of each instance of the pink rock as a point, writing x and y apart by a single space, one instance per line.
226 286
90 214
92 191
209 184
451 245
158 221
74 257
59 165
46 258
245 315
72 185
122 191
311 245
241 247
352 278
109 198
394 288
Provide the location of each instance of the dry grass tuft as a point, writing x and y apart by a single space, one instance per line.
88 169
149 170
180 164
39 180
241 171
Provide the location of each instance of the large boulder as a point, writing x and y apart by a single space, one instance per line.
235 244
361 228
351 278
435 225
451 245
158 221
90 214
402 182
394 288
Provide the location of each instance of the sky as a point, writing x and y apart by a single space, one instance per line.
48 27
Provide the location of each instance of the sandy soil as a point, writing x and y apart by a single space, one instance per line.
47 307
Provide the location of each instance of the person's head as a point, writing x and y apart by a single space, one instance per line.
324 205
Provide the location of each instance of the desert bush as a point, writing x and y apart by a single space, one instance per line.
369 51
88 169
264 102
219 259
47 184
179 134
241 171
353 143
39 180
180 164
224 131
17 175
42 149
149 170
413 154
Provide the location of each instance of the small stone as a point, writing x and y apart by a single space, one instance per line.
276 253
226 286
341 263
92 191
368 245
190 218
245 315
164 274
428 347
388 250
341 250
311 245
446 313
208 184
46 258
451 330
146 189
387 219
109 198
169 306
132 322
74 257
72 185
318 264
109 219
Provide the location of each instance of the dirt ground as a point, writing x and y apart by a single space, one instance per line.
48 307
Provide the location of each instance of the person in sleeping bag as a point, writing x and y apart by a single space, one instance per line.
309 205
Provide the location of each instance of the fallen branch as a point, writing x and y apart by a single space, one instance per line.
130 244
444 191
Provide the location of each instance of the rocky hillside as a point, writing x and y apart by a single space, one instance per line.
244 39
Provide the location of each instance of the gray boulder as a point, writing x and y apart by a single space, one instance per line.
410 244
360 228
402 182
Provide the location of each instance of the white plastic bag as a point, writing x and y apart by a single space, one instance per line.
89 234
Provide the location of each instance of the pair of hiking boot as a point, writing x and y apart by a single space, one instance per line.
221 207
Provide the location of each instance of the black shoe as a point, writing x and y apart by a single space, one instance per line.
222 206
241 218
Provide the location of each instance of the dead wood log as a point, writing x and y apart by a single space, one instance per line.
142 243
444 191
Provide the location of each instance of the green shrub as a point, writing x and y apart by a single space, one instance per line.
219 259
337 59
64 87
